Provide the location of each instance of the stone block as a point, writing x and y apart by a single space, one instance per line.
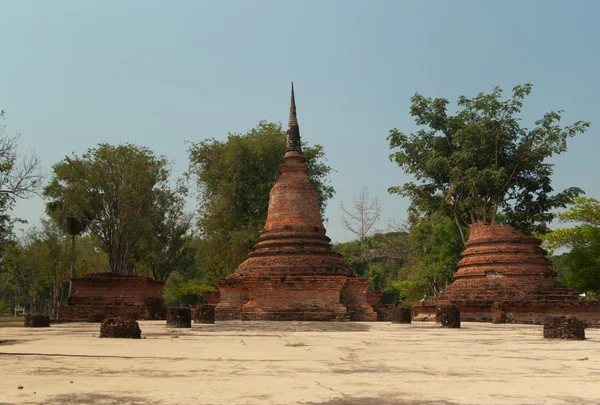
37 321
448 316
120 328
400 315
204 313
564 327
179 317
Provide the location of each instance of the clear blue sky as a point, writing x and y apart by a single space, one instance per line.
158 73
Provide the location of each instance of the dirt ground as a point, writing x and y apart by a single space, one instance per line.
298 363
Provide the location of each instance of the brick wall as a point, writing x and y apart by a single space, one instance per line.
114 294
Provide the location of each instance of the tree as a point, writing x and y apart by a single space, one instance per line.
19 178
363 215
234 178
37 266
71 224
434 251
117 191
579 268
379 257
481 162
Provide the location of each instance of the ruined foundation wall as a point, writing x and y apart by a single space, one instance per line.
114 294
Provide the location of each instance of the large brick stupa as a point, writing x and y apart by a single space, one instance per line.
292 273
501 264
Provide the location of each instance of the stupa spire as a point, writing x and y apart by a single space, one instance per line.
293 132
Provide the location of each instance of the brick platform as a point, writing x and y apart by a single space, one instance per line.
503 265
113 295
292 273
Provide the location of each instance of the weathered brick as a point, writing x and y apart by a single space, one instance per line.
113 295
502 265
292 273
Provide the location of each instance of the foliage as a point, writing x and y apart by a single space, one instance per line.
37 266
481 161
234 178
580 267
434 251
179 291
123 194
379 257
4 308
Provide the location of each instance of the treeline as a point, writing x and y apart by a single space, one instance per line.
119 207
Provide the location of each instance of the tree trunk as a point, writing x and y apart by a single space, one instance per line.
462 235
72 264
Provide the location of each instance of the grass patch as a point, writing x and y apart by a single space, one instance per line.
297 344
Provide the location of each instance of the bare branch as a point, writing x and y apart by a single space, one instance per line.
365 213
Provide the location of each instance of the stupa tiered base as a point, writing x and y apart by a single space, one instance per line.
113 294
295 298
292 273
503 265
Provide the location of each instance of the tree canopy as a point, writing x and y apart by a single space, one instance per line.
122 194
481 162
579 268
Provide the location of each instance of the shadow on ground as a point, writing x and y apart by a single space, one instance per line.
99 399
291 326
379 400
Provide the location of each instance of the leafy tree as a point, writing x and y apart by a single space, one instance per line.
481 162
71 224
117 192
580 267
234 178
379 257
434 251
37 266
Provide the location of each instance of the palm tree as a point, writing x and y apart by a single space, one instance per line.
71 225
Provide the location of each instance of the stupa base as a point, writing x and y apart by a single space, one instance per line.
294 298
523 312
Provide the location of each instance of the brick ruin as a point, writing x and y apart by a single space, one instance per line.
113 295
502 265
292 273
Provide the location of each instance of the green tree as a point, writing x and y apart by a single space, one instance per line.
37 266
71 224
234 178
434 251
380 257
481 161
579 268
116 191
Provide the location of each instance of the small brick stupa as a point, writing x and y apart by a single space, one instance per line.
503 265
113 294
292 273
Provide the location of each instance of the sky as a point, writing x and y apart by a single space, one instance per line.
160 73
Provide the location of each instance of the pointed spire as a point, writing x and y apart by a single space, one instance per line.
293 132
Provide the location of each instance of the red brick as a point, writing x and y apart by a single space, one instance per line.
503 265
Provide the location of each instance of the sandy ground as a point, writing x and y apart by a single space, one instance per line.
298 363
